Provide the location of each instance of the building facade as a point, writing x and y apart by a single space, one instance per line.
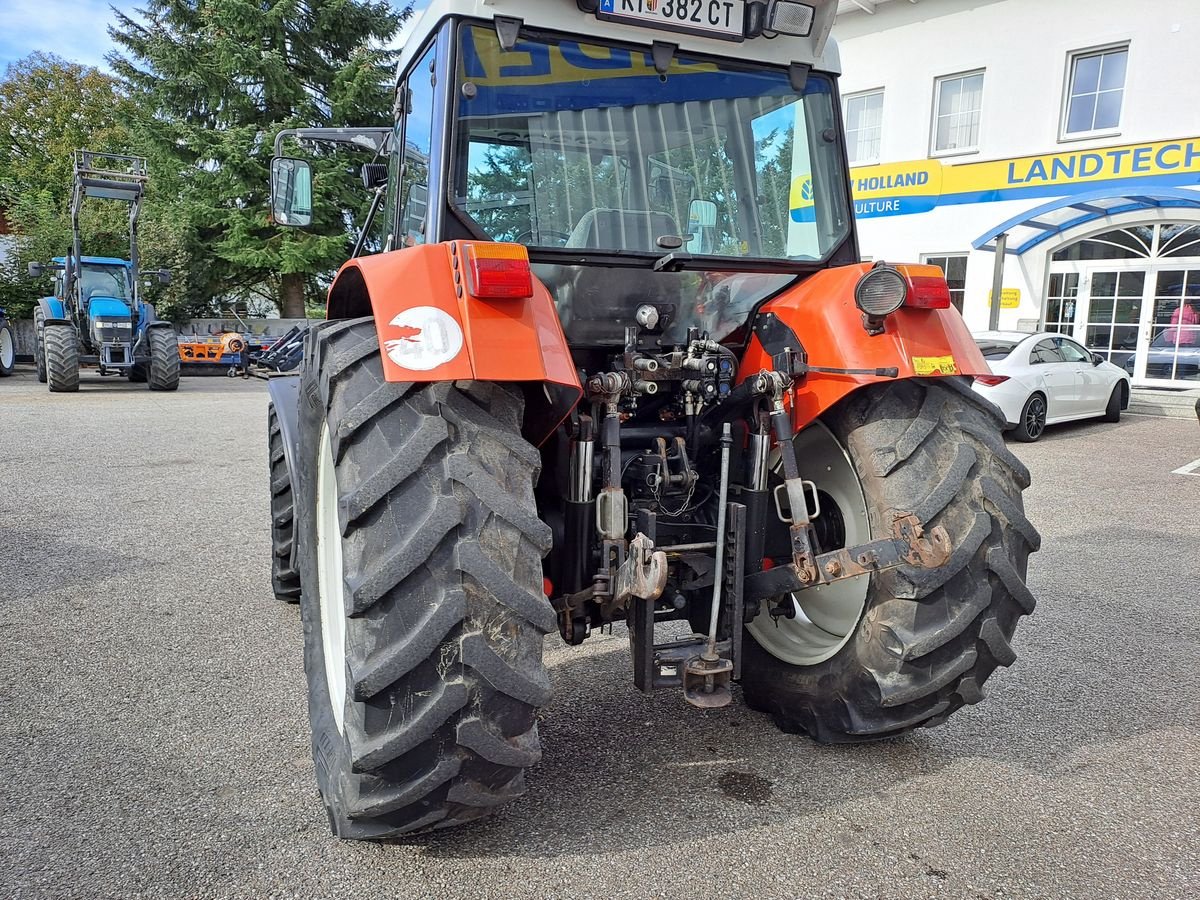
1064 133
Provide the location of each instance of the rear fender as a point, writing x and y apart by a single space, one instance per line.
52 311
431 328
820 316
284 392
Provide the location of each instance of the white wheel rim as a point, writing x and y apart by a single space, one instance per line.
8 353
827 616
329 580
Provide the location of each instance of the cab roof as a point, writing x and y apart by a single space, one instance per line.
96 261
818 50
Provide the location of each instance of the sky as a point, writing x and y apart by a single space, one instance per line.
74 29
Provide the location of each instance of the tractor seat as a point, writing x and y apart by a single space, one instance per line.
621 229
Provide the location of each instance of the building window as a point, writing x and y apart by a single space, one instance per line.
1095 91
954 266
957 109
864 126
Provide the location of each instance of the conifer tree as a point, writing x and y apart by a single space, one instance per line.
215 80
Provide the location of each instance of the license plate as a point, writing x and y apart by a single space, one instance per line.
713 18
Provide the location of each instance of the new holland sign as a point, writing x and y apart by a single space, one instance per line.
898 189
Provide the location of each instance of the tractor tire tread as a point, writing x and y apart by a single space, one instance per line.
442 576
61 348
928 639
285 580
162 370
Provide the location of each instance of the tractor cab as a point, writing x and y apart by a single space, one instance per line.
683 155
106 301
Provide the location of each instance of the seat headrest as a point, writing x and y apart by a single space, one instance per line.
621 229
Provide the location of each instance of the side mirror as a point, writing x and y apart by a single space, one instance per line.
35 270
164 276
291 192
1097 359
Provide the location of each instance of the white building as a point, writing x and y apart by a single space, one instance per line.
1072 127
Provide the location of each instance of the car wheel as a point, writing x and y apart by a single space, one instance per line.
1112 412
1033 420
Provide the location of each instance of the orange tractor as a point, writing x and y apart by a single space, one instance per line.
616 360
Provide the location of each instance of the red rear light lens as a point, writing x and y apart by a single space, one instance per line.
499 272
927 287
991 380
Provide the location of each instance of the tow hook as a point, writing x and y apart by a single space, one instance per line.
643 574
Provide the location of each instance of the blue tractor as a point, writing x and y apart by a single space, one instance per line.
96 316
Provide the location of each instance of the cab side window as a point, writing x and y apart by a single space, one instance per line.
1045 352
411 156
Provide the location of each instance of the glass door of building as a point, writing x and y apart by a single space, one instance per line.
1132 295
1172 353
1115 301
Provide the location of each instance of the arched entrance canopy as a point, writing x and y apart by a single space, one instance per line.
1041 224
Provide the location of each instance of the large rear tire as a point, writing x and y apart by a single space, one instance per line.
920 643
61 347
420 568
162 371
285 580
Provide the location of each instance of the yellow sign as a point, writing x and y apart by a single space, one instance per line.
935 365
1010 298
921 185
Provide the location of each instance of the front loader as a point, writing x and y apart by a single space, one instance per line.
96 315
617 362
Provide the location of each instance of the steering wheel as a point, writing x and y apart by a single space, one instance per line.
529 234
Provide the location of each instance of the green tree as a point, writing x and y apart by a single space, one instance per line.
49 107
214 81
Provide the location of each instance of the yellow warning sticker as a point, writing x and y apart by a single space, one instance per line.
935 365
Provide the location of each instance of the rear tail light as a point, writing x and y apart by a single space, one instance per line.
498 271
927 288
991 380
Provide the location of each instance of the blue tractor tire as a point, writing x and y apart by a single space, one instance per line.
39 349
60 346
162 372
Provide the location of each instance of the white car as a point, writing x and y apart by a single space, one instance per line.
1045 378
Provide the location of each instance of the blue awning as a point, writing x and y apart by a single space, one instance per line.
1037 225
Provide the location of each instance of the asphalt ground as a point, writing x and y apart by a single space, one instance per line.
153 735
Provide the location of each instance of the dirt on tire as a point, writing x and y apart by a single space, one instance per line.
928 639
445 616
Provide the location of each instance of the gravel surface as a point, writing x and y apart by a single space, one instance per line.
153 738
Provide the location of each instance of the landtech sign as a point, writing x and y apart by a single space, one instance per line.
897 189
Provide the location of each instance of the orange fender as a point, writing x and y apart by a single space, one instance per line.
432 329
820 311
